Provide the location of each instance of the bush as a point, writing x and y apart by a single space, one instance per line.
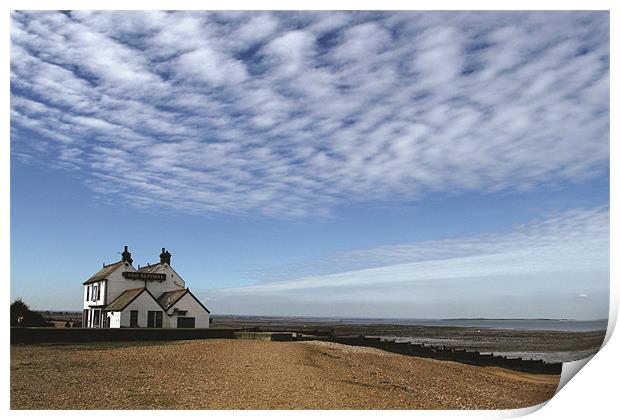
29 318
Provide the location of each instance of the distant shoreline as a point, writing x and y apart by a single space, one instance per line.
344 318
331 318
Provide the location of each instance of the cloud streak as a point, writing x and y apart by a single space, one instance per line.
563 258
294 114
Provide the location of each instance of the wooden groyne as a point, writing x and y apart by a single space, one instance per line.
452 354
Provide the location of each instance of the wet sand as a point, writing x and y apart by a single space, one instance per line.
252 374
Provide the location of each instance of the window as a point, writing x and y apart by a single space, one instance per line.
133 319
94 295
98 293
155 319
87 292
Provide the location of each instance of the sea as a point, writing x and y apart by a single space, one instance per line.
511 324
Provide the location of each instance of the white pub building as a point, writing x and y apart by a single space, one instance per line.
153 296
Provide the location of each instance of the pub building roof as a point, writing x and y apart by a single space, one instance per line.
168 299
150 268
105 271
125 299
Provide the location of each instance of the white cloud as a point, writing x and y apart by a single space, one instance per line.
257 29
291 52
292 114
210 66
363 42
439 57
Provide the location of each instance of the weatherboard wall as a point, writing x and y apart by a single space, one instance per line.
114 319
117 284
194 310
88 301
143 303
173 281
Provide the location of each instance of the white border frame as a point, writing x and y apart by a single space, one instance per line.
592 394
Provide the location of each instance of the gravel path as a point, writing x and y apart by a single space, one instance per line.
252 374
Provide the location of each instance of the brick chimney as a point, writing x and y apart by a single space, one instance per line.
127 255
165 256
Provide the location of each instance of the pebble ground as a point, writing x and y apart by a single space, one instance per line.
252 374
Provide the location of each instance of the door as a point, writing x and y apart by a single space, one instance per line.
186 322
96 318
133 319
155 319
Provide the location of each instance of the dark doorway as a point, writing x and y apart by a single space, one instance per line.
186 322
133 319
155 319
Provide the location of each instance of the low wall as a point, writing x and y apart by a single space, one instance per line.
68 335
266 336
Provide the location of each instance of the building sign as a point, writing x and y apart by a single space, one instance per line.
137 275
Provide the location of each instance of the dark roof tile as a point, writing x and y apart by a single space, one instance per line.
149 268
167 299
124 299
104 272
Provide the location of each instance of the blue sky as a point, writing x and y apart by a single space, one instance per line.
346 164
